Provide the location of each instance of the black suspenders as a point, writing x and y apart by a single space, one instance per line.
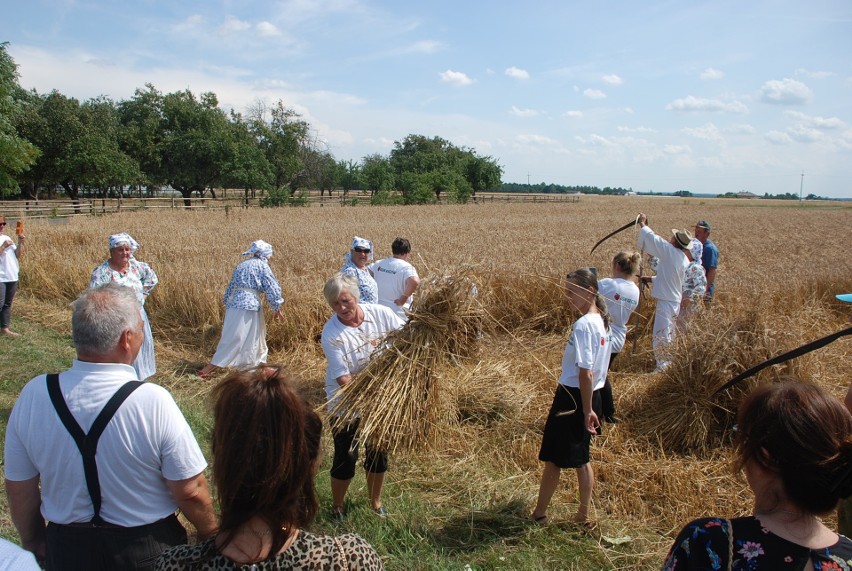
88 443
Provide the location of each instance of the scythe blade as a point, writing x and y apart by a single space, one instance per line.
613 233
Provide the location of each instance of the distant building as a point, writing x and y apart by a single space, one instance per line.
746 194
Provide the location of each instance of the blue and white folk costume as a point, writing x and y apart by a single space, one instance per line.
243 341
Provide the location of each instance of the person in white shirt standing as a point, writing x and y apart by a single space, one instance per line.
116 509
668 283
622 298
10 254
396 277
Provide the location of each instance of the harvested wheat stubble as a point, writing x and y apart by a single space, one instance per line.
401 396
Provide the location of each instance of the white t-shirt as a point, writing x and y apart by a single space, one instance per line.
588 348
622 297
147 442
391 274
8 261
348 349
668 283
16 558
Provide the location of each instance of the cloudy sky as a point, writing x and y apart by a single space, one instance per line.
659 95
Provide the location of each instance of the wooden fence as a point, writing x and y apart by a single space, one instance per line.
57 209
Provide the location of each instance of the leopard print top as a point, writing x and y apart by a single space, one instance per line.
308 552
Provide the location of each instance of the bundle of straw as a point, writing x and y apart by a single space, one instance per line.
679 410
399 395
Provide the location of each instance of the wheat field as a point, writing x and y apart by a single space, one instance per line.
667 460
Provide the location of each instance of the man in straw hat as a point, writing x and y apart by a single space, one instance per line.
668 283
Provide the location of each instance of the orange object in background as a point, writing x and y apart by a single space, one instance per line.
19 228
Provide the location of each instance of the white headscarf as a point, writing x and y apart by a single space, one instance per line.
696 249
259 249
123 238
358 242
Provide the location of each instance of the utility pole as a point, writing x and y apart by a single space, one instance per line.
801 184
528 182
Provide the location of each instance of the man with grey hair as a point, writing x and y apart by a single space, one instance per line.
116 510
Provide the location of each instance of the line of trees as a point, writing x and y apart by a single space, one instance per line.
53 144
562 189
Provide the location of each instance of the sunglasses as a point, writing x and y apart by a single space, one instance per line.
2 223
362 250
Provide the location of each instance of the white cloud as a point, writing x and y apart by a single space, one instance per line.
804 134
573 114
595 140
518 112
267 30
692 103
612 79
712 73
517 73
455 77
233 25
816 122
815 74
594 94
778 138
707 132
742 129
190 24
623 129
785 92
536 140
677 149
423 47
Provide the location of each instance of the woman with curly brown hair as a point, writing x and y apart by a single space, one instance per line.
266 449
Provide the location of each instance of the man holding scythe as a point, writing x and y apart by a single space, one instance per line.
668 283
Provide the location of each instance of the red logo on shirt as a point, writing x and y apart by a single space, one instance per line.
603 341
617 296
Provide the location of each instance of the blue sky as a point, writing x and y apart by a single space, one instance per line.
655 95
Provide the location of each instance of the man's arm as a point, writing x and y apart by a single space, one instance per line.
25 507
193 498
411 285
711 277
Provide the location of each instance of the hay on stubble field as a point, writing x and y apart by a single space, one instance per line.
770 260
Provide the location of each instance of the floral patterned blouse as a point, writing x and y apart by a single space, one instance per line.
704 544
366 284
139 277
694 281
694 278
251 277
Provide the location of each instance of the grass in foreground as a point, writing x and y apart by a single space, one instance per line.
422 532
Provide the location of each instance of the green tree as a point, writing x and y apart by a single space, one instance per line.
247 167
196 141
94 159
17 154
349 176
377 173
142 133
53 122
421 155
283 136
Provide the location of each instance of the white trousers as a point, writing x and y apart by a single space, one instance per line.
665 319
